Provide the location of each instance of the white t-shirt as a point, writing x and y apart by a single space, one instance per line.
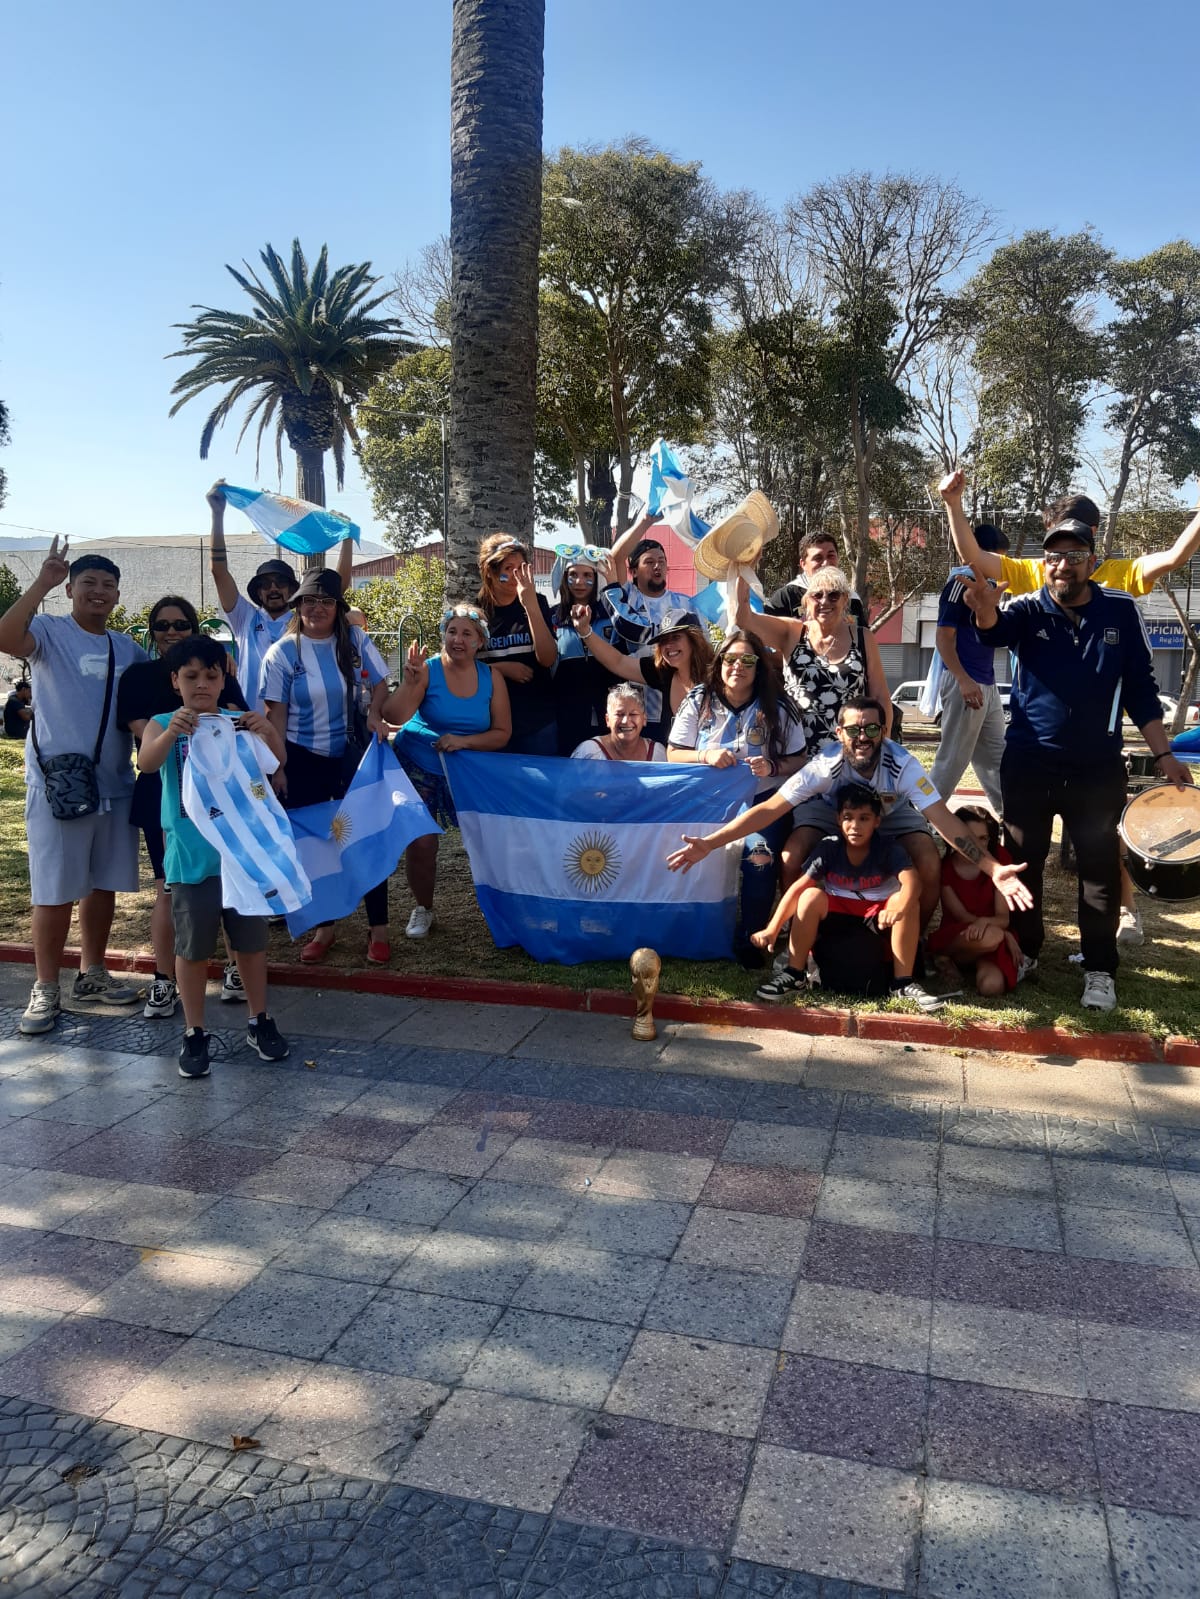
253 633
743 732
68 671
591 750
898 775
305 676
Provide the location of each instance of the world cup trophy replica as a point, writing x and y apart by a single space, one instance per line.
644 968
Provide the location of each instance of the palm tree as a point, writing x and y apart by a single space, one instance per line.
495 237
307 355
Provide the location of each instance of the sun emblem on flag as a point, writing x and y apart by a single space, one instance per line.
341 828
592 862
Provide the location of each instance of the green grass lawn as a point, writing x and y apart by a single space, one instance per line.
1156 984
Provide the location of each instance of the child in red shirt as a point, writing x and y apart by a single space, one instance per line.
974 926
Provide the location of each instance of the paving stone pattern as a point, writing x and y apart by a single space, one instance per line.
506 1325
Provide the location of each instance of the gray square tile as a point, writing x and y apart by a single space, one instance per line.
1115 1187
21 1324
409 1104
999 1171
84 1364
140 1213
1185 1185
58 1272
1025 1223
453 1149
600 1285
889 1207
1135 1366
855 1324
175 1293
771 1144
744 1241
627 1226
981 1542
353 1248
1146 1237
1007 1348
305 1180
243 1229
886 1160
741 1307
468 1266
692 1383
210 1391
512 1210
416 1335
1156 1557
289 1312
407 1196
557 1358
491 1029
50 1198
550 1163
636 1174
356 1422
497 1448
833 1518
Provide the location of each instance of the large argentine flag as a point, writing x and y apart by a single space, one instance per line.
297 525
570 857
347 846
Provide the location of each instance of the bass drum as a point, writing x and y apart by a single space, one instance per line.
1161 830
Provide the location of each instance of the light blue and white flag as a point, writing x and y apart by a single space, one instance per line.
294 524
667 491
346 846
570 857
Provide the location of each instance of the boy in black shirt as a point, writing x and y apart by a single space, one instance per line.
858 874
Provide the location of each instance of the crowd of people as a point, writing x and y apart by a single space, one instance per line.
837 848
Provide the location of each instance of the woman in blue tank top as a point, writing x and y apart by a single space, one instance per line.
451 702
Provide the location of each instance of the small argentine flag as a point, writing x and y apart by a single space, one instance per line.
295 524
570 857
346 846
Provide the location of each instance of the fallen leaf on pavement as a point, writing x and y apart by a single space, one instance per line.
241 1442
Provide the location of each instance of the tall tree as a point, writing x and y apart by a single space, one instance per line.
636 247
1154 367
4 438
308 353
1032 312
495 236
887 251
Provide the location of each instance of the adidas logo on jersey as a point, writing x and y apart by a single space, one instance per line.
213 813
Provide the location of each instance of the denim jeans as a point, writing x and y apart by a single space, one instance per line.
760 877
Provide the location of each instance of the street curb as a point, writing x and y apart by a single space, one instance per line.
1138 1048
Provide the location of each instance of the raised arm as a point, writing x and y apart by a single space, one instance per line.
1164 562
402 704
227 589
544 646
15 637
780 632
984 562
627 666
620 550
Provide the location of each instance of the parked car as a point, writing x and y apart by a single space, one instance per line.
1170 705
906 699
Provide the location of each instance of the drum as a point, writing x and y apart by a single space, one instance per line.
1161 830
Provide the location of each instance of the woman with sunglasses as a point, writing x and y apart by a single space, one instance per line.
828 655
521 642
741 715
144 691
580 682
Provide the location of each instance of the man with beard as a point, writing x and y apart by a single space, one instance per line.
863 755
639 608
261 617
1082 657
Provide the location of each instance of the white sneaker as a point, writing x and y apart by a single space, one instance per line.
420 922
231 985
1099 991
162 998
42 1011
1027 968
1129 927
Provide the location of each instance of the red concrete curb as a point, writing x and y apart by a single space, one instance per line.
812 1020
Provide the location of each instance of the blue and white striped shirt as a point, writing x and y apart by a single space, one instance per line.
304 675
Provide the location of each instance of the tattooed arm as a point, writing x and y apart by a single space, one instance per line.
956 833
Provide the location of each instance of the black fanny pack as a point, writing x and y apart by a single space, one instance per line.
72 790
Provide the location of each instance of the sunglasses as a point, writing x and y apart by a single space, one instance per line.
741 660
863 729
1066 557
172 627
319 605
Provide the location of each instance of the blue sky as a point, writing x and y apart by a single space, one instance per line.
148 144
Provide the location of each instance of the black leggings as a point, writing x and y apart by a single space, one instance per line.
312 780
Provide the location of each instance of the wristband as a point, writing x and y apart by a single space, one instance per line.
585 636
1160 755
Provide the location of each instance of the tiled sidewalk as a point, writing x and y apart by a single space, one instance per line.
475 1306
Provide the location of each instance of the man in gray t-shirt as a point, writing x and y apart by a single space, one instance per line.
86 859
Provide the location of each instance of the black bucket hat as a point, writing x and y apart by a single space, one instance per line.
322 582
270 569
678 620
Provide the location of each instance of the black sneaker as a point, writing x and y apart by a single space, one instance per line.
194 1054
263 1035
782 986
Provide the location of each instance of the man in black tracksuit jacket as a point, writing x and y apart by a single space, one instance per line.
1082 656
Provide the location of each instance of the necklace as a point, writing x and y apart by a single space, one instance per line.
824 645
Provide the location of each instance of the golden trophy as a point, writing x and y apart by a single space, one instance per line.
644 969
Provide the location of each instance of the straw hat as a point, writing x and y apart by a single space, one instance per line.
738 539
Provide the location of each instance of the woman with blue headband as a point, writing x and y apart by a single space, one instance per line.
452 702
581 684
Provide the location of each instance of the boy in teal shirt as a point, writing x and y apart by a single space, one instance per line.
193 867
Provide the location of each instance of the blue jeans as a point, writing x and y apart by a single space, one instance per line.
760 877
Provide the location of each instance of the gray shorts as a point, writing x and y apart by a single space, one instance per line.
899 817
197 914
67 860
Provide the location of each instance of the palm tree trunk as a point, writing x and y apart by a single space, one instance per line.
310 486
495 237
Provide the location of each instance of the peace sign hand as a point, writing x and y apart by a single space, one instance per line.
57 565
